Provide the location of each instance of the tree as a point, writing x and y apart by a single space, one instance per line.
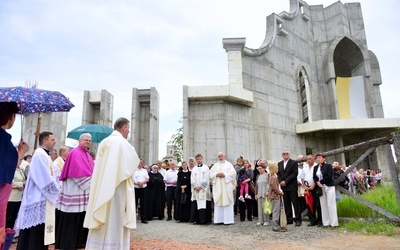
177 142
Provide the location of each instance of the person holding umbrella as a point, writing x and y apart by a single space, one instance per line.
310 194
9 159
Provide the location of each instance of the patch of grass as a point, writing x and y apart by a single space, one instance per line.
380 228
383 197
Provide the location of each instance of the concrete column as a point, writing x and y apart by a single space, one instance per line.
234 48
185 121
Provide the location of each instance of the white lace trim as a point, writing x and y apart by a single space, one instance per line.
51 192
32 215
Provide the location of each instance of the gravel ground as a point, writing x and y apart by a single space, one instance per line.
245 235
167 235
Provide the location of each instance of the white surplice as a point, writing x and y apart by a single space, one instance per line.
40 195
200 177
223 192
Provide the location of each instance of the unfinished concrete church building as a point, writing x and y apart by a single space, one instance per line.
98 108
312 86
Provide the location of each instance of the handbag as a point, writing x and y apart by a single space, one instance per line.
318 192
300 191
267 206
282 217
252 189
183 199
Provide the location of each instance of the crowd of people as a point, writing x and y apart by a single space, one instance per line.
72 200
59 197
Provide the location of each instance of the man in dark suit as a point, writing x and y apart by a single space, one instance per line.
287 176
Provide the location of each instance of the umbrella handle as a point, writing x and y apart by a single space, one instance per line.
22 123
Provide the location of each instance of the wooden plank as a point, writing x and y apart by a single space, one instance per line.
354 165
366 144
393 172
391 217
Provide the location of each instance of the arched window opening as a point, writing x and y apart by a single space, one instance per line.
303 96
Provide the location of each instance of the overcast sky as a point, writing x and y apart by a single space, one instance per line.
77 45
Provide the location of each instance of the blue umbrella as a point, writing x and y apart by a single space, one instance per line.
97 131
31 100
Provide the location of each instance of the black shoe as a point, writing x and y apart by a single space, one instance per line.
311 225
145 221
319 225
290 222
298 223
168 219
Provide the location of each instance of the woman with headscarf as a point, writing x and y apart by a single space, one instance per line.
10 158
155 194
183 189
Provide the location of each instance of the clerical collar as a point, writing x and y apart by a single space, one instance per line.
200 165
47 151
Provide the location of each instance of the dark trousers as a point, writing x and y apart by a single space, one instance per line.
243 206
171 201
302 204
290 197
12 212
70 233
312 216
140 194
200 216
317 207
32 238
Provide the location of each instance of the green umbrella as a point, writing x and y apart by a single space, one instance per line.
98 132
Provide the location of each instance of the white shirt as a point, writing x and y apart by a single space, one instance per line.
162 171
140 175
171 175
307 173
285 163
299 174
23 165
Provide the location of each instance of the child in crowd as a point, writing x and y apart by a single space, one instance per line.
261 192
244 186
274 194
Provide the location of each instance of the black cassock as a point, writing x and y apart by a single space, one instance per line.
183 210
155 196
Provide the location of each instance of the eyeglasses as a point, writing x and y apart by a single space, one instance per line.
285 153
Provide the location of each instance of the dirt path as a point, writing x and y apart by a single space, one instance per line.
246 235
340 241
165 235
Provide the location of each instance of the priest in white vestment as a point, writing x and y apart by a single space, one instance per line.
223 178
201 199
111 210
36 216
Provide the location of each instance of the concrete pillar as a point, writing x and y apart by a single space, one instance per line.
234 48
97 107
145 123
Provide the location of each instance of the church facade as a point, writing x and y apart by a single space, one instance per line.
312 86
